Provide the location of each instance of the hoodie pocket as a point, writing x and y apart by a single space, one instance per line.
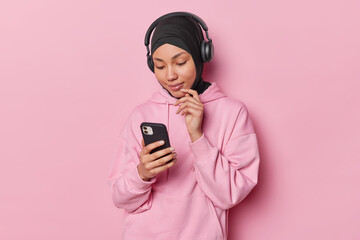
183 217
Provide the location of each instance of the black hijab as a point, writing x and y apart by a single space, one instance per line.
186 34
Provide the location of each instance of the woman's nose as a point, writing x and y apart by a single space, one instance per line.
171 74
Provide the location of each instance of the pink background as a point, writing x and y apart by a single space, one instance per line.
71 71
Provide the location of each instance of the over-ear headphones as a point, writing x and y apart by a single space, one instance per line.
206 47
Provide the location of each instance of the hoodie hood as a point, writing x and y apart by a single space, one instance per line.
212 93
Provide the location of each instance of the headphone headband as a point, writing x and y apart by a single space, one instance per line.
206 47
174 14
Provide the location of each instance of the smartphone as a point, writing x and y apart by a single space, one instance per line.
153 132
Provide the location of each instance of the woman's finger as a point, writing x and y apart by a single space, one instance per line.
192 92
161 153
162 168
192 111
188 98
161 161
148 148
188 104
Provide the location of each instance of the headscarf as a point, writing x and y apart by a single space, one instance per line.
185 33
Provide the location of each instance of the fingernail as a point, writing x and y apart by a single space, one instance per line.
174 155
162 142
172 149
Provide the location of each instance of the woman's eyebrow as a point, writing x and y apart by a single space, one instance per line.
175 56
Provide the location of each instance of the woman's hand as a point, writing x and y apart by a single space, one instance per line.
193 109
152 164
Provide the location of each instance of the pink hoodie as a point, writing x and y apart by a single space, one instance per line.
191 199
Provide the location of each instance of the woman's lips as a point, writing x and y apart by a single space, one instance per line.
176 87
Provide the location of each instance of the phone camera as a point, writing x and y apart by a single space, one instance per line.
147 130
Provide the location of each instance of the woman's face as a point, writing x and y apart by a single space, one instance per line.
174 68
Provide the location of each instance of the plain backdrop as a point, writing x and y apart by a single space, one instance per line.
71 72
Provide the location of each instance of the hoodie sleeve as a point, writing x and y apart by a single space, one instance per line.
227 177
128 190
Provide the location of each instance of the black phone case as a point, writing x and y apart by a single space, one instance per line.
159 133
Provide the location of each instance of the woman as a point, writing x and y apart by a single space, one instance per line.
214 147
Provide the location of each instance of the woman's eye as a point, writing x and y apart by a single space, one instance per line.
161 67
182 63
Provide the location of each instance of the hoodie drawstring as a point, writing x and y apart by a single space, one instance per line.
168 115
168 129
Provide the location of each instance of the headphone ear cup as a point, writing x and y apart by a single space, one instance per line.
150 63
210 51
203 51
207 51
